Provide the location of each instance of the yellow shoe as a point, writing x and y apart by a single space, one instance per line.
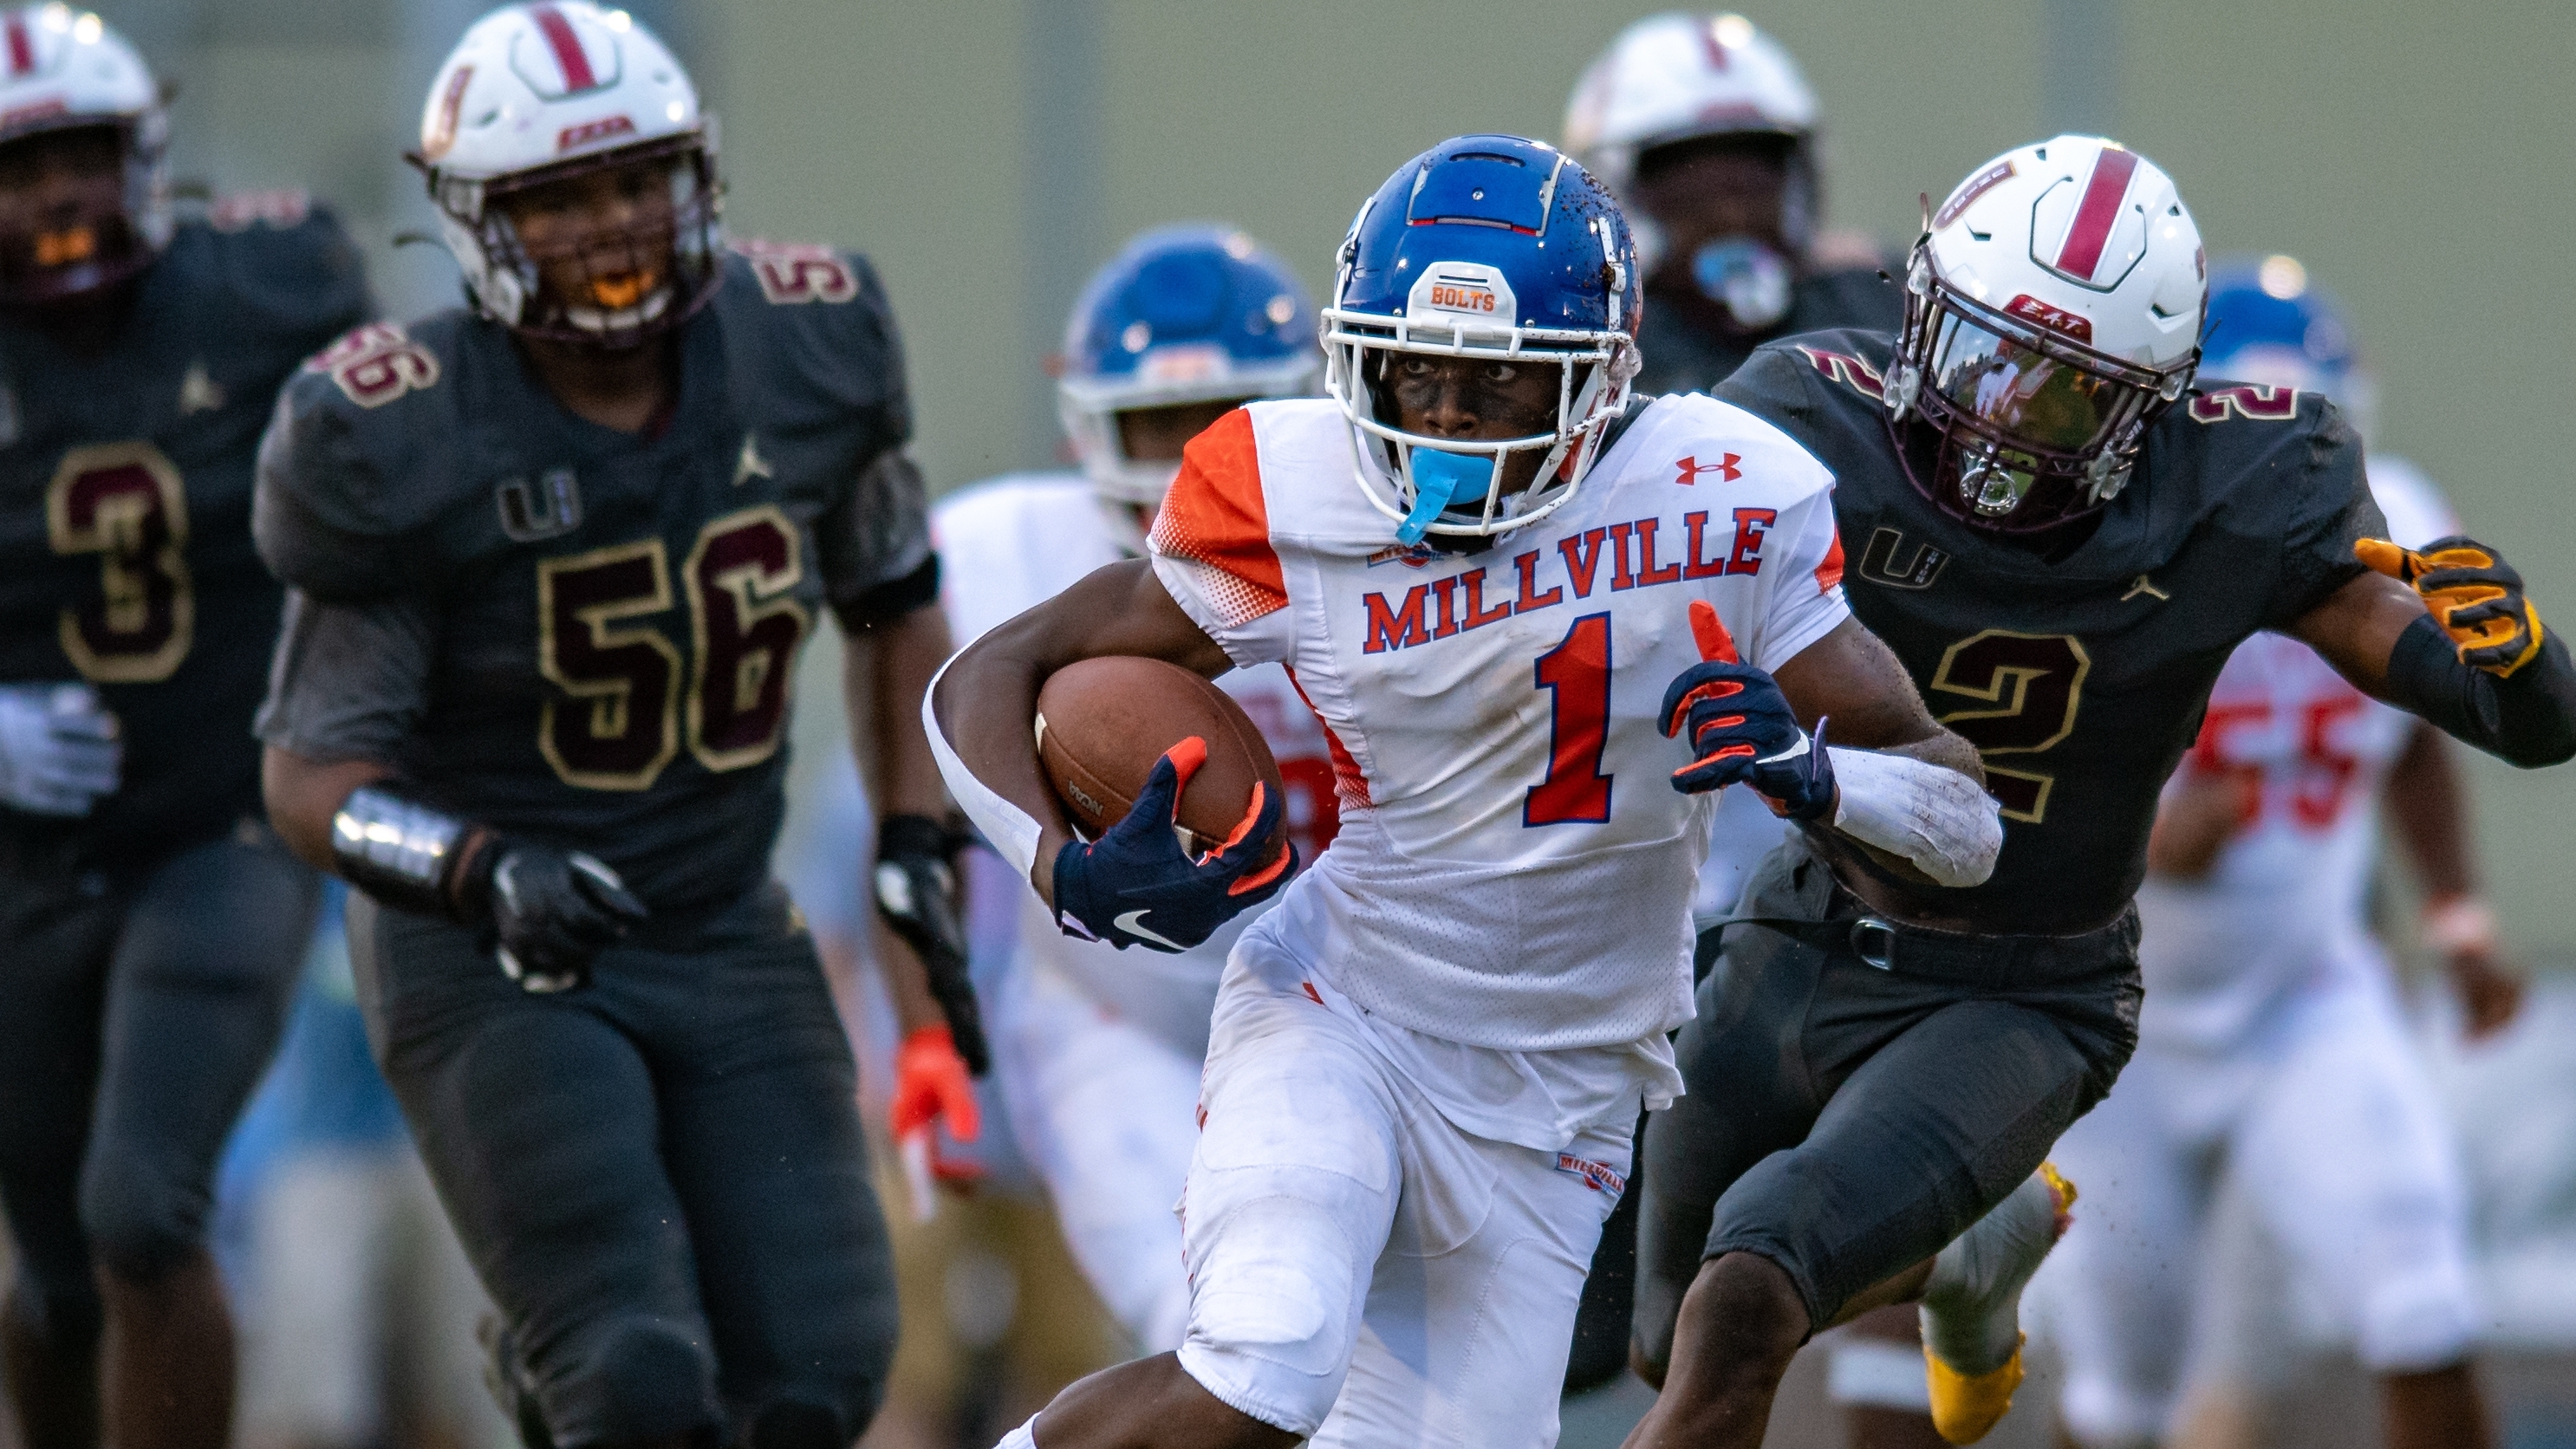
1965 1407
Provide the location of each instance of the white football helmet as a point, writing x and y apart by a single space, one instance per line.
2052 312
539 92
60 69
1676 77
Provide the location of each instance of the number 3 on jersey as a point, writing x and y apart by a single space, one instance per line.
744 630
124 503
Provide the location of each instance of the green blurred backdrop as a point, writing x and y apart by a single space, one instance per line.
988 153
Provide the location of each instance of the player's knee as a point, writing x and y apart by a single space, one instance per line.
1274 1310
633 1381
142 1222
1744 1310
801 1424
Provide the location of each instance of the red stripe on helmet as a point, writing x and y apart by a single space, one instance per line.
2095 214
22 46
561 39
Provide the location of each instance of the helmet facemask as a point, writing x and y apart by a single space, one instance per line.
54 257
1457 486
606 288
2034 427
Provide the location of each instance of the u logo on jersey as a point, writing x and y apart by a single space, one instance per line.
533 513
1880 562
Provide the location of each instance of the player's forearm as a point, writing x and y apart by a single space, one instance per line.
2430 812
885 671
302 795
983 704
2528 720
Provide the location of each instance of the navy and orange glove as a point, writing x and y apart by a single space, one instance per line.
2474 595
1137 886
1741 730
931 1088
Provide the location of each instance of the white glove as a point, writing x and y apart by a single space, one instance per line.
1933 816
58 748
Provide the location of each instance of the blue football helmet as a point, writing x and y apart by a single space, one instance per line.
1486 247
1186 314
2268 324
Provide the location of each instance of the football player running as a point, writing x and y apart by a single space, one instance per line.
2271 1043
1098 1054
1504 585
1704 128
2064 542
553 558
151 925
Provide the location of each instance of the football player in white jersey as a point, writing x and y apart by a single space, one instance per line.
2271 1040
1098 1053
1503 584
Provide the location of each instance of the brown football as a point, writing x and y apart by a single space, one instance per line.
1102 723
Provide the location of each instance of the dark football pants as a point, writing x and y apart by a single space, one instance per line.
1846 1121
136 1014
660 1178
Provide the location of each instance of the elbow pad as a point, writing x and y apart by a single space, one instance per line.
398 850
2527 720
1935 817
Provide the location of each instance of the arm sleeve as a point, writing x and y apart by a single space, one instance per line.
1212 548
1806 590
2528 720
348 681
2330 507
874 545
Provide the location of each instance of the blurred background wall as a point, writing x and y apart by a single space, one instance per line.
988 153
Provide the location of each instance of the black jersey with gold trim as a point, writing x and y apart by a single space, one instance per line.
2080 680
578 633
125 485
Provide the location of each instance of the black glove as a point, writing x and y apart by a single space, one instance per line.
916 891
552 911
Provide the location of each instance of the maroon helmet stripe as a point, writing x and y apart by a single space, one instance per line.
22 46
566 46
2094 215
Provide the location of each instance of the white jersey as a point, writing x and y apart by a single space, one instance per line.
1514 869
1007 545
2283 905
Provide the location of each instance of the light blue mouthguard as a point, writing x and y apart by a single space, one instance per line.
1441 480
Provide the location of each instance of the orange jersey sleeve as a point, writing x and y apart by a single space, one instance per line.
1215 517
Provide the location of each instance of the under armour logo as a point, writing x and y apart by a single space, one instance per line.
1688 469
2145 586
199 393
750 465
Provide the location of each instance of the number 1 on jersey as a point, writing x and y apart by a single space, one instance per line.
1576 675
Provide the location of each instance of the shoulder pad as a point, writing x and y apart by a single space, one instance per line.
287 270
813 351
346 480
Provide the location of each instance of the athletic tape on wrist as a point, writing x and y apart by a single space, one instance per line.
395 849
1010 829
1930 814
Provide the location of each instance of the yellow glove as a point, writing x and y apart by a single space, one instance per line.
2474 595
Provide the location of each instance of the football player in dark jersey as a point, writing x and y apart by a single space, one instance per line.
2063 539
552 561
150 923
1706 131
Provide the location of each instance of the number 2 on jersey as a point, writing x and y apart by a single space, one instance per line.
744 628
1576 675
2028 688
